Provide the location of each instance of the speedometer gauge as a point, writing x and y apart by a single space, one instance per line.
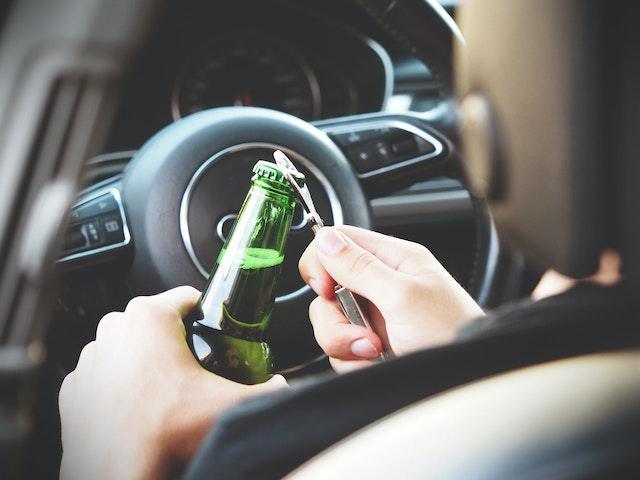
247 70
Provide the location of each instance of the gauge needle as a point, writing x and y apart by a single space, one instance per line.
247 100
244 100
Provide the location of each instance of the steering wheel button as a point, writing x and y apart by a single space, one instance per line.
384 155
364 158
404 147
424 147
111 226
382 150
98 206
91 233
347 139
112 230
73 240
74 216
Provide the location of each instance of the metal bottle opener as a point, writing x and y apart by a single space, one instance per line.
345 297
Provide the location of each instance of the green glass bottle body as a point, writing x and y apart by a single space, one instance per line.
226 330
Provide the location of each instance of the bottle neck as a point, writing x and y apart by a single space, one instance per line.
248 267
273 186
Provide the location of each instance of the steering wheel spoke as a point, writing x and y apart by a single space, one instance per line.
390 151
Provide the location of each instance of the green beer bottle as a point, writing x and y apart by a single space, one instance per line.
225 331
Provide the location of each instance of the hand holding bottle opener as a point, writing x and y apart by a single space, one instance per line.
345 297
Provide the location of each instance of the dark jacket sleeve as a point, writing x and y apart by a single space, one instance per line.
270 436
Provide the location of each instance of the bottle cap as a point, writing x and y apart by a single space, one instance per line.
269 170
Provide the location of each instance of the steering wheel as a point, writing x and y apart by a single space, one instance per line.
172 207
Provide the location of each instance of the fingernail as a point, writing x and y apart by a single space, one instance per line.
329 241
364 348
314 286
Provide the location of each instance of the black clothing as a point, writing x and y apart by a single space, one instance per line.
268 437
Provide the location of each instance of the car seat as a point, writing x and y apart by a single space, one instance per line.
548 99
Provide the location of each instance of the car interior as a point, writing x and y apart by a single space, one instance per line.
128 130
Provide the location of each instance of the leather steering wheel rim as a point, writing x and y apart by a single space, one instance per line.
155 181
194 174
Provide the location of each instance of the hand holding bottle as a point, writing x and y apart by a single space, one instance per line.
413 302
139 403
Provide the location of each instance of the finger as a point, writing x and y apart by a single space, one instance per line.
164 310
68 388
342 366
402 256
181 299
108 325
356 268
399 254
66 394
312 267
314 274
277 382
337 337
87 356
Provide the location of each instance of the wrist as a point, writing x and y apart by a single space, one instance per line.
201 398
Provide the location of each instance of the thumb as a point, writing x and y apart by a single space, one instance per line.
275 383
352 266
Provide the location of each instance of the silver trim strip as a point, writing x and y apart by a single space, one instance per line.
394 209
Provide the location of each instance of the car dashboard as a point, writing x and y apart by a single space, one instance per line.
314 60
318 61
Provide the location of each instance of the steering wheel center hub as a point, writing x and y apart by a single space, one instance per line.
213 198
